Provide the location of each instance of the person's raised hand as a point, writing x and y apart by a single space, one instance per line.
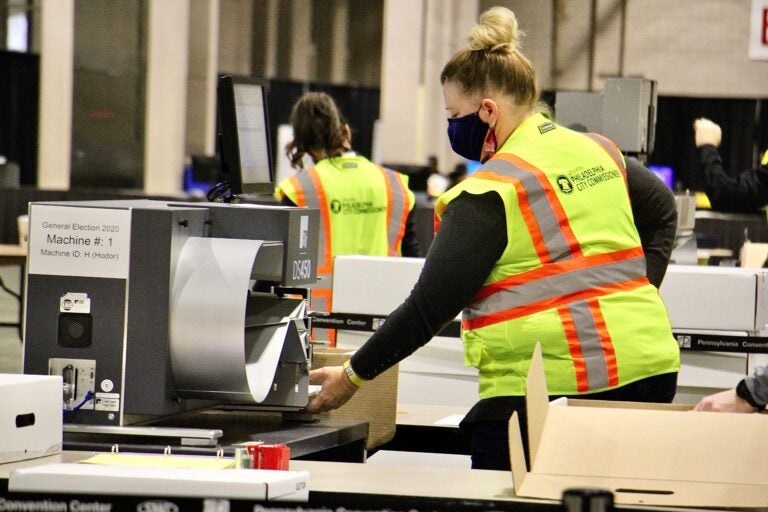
707 132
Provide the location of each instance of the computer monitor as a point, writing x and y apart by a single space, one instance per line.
473 166
243 131
201 175
665 173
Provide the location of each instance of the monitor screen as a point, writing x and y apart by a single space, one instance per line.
244 148
665 173
201 175
473 166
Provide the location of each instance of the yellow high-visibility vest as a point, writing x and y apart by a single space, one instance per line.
572 276
363 210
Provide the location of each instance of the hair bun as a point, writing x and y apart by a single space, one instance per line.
496 29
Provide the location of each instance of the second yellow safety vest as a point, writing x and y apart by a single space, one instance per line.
363 210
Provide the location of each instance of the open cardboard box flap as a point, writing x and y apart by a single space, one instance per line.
650 454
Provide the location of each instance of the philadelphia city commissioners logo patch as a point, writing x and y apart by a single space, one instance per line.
566 187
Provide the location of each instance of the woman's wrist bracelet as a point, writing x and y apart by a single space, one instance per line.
351 375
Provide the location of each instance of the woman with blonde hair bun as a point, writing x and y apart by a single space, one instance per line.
536 247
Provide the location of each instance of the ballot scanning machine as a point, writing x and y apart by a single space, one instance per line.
150 308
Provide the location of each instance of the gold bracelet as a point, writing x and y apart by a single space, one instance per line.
351 375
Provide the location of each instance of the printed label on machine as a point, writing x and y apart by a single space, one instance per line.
107 402
79 241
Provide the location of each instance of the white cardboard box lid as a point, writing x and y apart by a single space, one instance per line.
31 424
676 458
20 379
725 298
71 478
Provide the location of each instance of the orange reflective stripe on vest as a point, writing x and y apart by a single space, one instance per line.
611 149
310 192
301 199
541 210
397 211
309 187
321 301
545 287
594 359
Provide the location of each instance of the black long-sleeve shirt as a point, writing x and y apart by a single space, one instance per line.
471 239
732 191
655 214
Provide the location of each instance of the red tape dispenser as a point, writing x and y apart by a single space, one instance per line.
269 456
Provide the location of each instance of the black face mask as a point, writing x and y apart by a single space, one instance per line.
467 135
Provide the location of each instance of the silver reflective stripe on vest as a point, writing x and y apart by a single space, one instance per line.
549 226
395 220
558 285
608 149
589 341
312 197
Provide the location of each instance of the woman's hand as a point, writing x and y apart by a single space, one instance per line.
336 389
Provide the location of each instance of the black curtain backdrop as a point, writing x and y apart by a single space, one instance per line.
19 90
359 105
745 134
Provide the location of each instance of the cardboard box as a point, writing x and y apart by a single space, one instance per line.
649 454
375 402
31 424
